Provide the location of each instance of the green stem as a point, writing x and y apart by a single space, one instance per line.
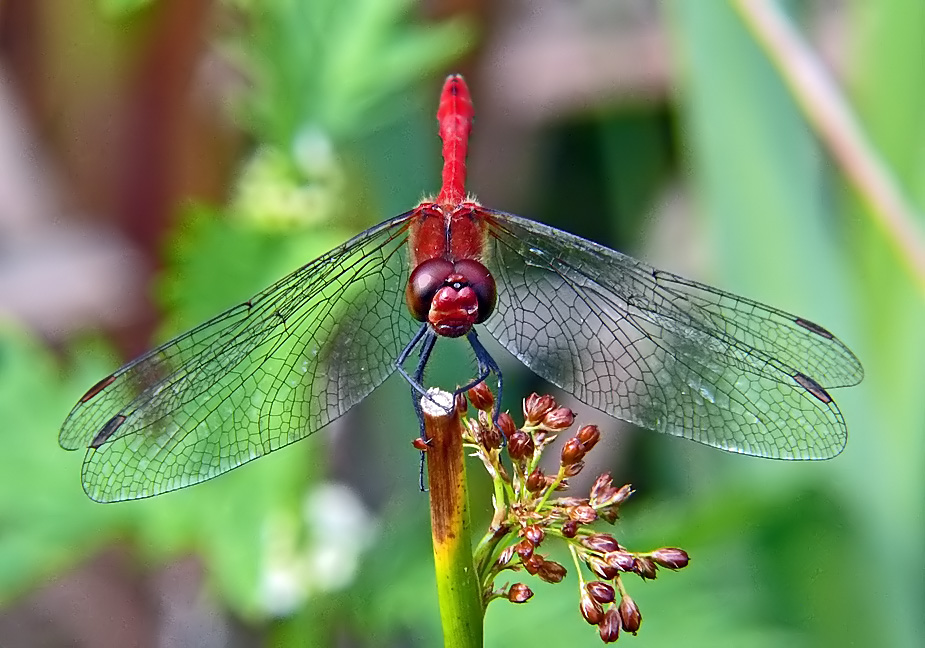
549 490
458 590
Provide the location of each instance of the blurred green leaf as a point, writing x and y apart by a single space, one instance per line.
340 66
48 522
117 9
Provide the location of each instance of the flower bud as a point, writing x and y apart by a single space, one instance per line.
551 571
671 557
574 469
609 627
623 494
536 481
570 528
590 609
519 593
645 567
460 404
584 514
536 407
602 490
524 549
601 542
534 534
558 419
420 444
601 568
622 560
507 425
572 452
629 614
489 436
589 435
520 445
533 564
601 592
481 397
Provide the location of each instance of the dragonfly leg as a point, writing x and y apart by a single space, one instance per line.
426 339
487 366
429 338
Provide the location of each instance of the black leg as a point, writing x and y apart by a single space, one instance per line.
426 338
487 366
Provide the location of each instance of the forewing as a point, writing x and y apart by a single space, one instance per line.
255 378
664 352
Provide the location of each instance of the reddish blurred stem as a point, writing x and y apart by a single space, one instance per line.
457 584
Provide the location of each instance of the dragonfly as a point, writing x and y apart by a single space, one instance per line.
644 345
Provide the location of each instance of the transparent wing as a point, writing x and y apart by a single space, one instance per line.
665 352
254 379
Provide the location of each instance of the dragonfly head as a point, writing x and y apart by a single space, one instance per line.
452 297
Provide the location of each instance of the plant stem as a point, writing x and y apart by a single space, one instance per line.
836 125
458 589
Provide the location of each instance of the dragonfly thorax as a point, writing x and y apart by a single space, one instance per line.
451 297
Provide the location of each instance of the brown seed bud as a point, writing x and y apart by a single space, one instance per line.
584 514
489 437
420 444
520 445
536 407
601 592
645 567
611 509
524 549
601 542
551 571
602 490
461 404
534 534
481 397
623 494
533 564
589 435
558 419
671 557
507 425
572 452
574 469
622 560
609 513
629 615
609 627
570 528
536 481
590 609
519 593
601 568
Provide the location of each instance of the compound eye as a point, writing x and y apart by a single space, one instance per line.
482 283
423 284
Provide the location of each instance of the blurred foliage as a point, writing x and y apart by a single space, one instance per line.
118 9
802 554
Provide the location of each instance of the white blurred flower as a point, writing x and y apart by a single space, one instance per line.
319 552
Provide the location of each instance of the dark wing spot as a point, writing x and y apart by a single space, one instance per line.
815 328
108 430
812 387
97 388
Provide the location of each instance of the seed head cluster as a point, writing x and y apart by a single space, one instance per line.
532 512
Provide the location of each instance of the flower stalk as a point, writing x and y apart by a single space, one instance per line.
458 591
530 510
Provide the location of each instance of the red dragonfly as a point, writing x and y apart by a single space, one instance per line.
647 346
